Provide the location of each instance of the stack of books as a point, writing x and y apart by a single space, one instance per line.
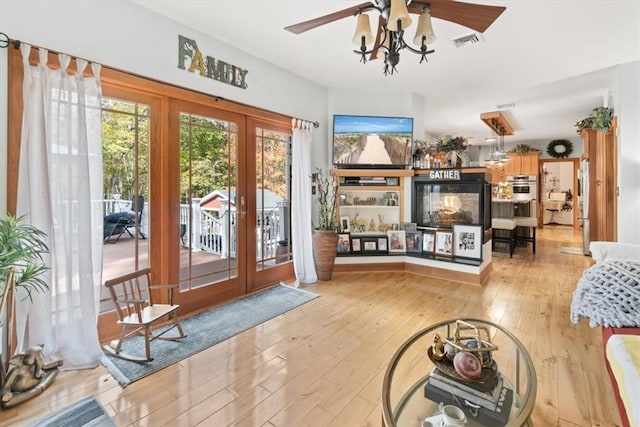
488 402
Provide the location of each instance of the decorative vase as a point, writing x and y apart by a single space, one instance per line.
325 246
453 159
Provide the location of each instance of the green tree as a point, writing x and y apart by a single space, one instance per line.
119 143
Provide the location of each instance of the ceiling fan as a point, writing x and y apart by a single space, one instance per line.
394 19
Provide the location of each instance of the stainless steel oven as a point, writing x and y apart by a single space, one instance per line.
523 186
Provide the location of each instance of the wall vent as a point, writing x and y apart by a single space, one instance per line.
467 40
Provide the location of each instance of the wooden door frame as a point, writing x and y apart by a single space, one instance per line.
264 278
202 297
576 166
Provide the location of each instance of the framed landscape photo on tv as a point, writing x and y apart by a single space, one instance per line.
372 142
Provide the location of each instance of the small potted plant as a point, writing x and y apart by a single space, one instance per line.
325 236
599 120
454 147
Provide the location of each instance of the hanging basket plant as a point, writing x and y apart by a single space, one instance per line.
560 148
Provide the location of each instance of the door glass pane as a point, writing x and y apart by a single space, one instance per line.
208 177
273 161
125 150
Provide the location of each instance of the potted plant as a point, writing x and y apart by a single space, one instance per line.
599 120
21 266
454 147
325 236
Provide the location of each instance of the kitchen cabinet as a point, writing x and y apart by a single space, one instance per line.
523 163
498 175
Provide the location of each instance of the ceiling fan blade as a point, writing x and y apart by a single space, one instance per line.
478 17
335 16
379 36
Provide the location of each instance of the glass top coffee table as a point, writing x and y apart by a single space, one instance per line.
411 375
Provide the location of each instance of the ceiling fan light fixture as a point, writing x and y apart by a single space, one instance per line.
363 29
398 12
424 29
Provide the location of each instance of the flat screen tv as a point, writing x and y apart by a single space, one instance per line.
372 142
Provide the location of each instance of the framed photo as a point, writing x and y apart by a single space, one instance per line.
428 242
444 243
344 243
344 224
414 241
467 241
356 246
383 244
408 226
397 242
369 245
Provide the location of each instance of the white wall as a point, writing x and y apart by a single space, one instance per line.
125 36
627 108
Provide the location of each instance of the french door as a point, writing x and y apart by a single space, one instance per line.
233 202
269 176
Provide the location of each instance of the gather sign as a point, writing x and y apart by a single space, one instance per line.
208 66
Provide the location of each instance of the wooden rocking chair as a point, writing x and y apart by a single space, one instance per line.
137 314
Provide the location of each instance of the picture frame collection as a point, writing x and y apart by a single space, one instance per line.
463 241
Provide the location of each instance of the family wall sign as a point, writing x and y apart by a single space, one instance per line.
208 66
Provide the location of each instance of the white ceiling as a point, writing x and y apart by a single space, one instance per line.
554 59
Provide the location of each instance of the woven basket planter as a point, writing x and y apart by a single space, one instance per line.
325 245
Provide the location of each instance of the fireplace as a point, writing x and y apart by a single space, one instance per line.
442 198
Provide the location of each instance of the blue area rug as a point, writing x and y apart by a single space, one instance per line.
86 413
205 330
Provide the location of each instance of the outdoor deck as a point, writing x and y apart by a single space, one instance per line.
118 259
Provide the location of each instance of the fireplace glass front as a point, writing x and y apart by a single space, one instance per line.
442 204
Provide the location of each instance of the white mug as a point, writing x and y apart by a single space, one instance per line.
452 415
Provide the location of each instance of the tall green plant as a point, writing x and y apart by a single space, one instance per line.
21 262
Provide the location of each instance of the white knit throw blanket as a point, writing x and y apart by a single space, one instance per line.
608 294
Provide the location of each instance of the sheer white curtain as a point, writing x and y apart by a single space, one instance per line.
60 191
301 207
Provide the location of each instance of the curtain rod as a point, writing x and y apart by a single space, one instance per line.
316 124
5 41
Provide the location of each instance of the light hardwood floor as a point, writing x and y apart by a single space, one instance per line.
322 363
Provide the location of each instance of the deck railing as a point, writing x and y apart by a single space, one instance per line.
214 231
